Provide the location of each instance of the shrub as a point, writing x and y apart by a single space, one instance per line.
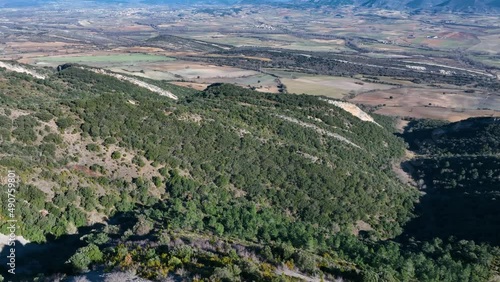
139 161
44 116
116 155
24 131
143 226
5 122
53 138
65 122
85 256
93 147
97 238
227 273
109 141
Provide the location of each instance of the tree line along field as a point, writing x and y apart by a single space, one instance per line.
235 185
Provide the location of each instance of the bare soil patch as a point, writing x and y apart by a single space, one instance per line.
446 104
404 97
193 85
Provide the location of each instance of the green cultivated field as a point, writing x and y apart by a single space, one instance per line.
119 58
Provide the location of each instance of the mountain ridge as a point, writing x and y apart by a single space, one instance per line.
476 6
427 5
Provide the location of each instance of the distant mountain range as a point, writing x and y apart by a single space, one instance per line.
428 5
480 6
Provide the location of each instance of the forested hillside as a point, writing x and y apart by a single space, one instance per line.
226 184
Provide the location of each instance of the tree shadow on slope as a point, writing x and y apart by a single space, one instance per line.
462 199
50 257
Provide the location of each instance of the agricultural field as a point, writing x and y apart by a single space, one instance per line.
139 71
488 43
330 86
194 70
105 59
289 42
493 61
448 40
436 113
193 85
447 104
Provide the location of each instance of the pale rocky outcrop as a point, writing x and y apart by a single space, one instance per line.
21 69
352 109
140 83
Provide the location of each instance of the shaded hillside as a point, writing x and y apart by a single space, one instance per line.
460 174
477 136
